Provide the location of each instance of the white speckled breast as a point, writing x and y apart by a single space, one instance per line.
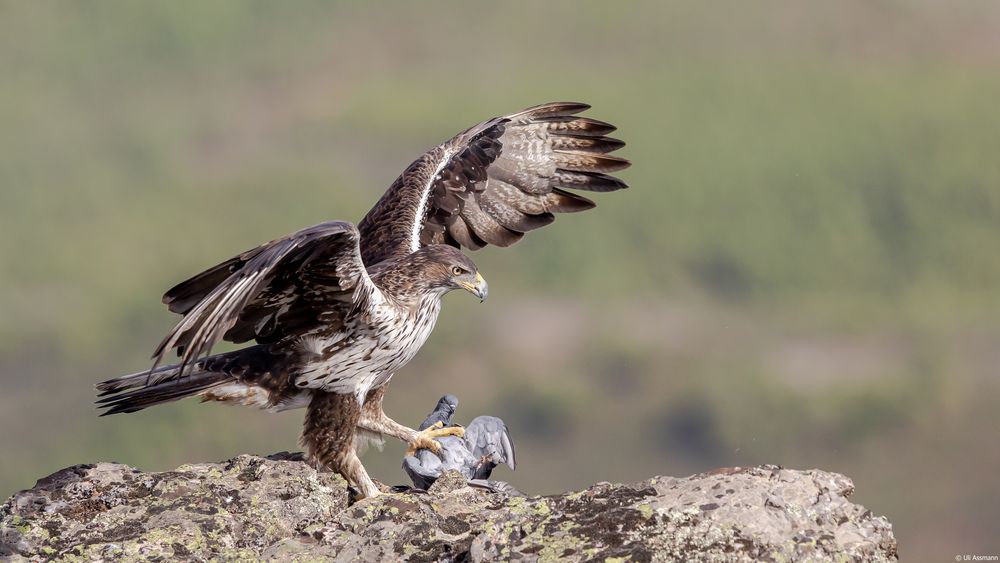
380 343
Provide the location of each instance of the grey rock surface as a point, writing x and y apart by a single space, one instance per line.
253 508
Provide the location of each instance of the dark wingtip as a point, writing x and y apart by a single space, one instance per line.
556 109
597 125
613 144
588 181
512 458
574 107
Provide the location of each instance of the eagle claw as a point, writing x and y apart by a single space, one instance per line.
424 439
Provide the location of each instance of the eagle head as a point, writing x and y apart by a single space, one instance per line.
443 268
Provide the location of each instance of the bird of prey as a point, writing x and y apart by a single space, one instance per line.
486 444
334 310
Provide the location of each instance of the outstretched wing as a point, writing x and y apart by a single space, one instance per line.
495 182
276 291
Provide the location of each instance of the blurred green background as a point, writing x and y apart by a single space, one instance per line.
804 272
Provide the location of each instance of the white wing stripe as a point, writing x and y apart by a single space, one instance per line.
418 218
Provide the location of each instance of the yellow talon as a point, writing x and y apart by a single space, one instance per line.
425 438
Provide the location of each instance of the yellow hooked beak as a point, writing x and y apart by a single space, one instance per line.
479 288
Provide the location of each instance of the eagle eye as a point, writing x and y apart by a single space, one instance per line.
457 270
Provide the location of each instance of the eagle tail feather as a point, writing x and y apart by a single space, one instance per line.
130 394
242 377
136 380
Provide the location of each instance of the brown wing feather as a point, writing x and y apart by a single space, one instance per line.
185 295
277 290
494 182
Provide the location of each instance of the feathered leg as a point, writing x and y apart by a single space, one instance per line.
328 437
374 420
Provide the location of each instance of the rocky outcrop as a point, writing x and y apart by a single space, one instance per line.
274 508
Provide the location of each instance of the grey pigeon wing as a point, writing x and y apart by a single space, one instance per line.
487 436
508 448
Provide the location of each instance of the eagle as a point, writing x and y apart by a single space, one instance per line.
333 311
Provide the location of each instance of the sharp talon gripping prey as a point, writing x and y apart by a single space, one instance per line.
474 453
425 438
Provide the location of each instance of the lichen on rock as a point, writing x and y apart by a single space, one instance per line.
276 508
